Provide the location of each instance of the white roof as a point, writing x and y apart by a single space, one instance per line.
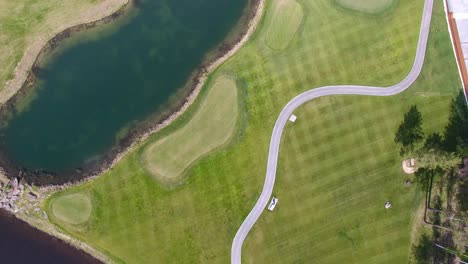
465 49
462 25
458 6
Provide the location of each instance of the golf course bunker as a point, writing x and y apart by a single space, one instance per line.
366 6
72 208
283 23
211 126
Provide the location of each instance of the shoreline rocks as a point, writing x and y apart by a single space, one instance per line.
11 194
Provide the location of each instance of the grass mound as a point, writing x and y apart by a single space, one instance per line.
72 208
366 6
211 126
283 23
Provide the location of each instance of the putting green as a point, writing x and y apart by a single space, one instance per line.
283 23
72 208
366 6
211 126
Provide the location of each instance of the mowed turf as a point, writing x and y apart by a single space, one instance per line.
366 6
285 19
211 126
338 163
72 208
332 210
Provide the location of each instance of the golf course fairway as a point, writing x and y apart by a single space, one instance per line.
338 163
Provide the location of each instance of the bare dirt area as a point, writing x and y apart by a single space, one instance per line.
408 166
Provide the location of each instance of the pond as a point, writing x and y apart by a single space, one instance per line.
101 85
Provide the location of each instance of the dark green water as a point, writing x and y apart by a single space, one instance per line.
93 92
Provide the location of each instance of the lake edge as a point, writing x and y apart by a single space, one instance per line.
233 41
22 70
19 229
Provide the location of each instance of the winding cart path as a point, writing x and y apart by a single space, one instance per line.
297 101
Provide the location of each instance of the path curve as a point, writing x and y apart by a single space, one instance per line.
312 94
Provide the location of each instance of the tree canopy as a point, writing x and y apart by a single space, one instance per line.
422 252
456 132
410 131
432 159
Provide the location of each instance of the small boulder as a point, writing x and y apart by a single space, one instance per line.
15 192
31 196
14 183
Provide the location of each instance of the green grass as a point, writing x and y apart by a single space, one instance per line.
210 127
73 208
367 6
334 209
24 22
338 163
286 18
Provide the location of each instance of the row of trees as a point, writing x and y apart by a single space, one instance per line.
431 153
437 158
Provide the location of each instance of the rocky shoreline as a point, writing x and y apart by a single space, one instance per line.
137 136
26 204
17 197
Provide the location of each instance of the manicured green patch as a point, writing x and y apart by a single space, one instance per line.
366 6
72 208
285 19
210 127
338 162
